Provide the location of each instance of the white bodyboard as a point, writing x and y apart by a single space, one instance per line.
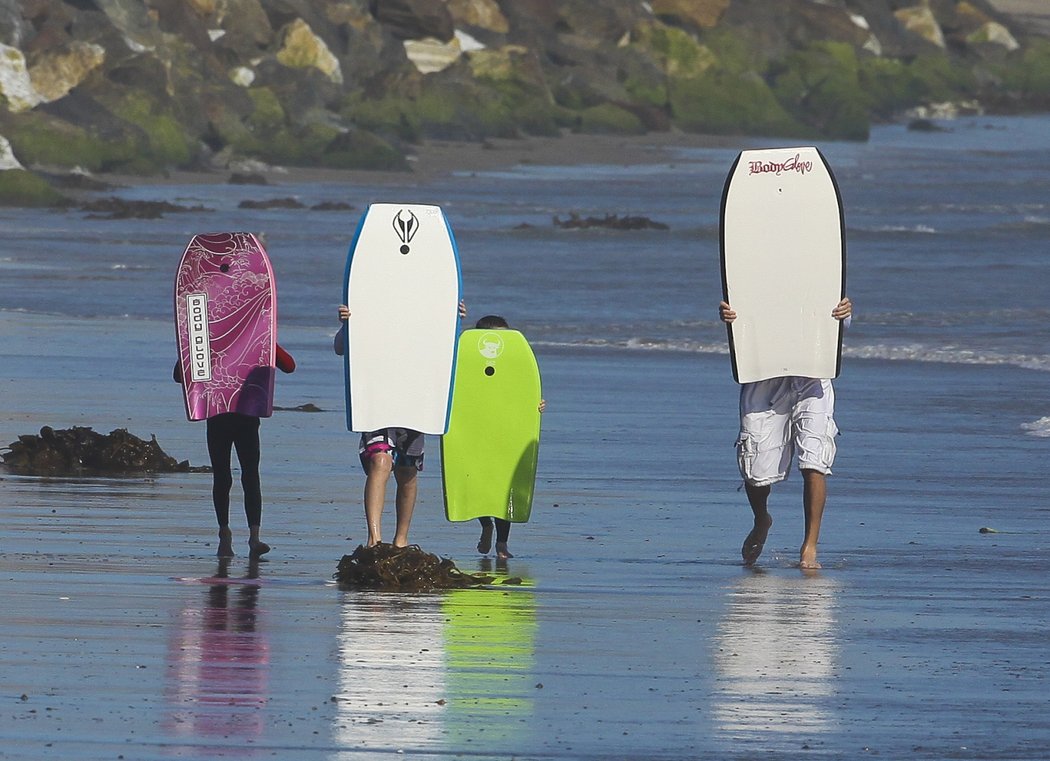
403 288
783 251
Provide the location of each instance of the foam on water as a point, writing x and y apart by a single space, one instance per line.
1039 428
900 353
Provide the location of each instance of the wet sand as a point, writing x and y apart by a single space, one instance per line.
636 634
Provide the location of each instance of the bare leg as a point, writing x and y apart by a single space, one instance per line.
406 503
757 496
379 466
814 495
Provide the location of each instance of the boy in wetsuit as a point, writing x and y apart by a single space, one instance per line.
225 432
502 527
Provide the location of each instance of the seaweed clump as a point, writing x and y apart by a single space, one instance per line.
119 208
80 451
402 569
608 222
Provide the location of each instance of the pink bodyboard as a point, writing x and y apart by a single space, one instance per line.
226 326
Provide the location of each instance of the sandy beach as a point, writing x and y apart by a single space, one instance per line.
633 631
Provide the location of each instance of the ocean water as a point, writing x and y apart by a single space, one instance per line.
636 633
946 239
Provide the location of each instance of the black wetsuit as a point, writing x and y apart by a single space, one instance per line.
232 430
502 528
226 431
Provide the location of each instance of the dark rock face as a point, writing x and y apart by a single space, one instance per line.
143 87
414 19
272 203
81 451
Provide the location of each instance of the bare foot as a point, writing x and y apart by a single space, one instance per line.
225 543
756 540
807 559
257 548
485 542
502 552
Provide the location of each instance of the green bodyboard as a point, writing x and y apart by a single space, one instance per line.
489 454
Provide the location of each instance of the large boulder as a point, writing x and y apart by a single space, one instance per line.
691 14
246 32
8 160
75 131
479 15
772 30
921 21
25 189
415 19
301 48
723 102
820 86
55 73
16 87
14 27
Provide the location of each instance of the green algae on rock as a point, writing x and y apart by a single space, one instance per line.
119 87
21 188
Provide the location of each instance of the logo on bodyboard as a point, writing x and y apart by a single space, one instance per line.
490 345
200 340
406 225
793 164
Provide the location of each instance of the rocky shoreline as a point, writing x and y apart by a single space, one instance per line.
429 159
164 87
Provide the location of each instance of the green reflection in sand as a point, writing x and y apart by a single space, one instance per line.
490 640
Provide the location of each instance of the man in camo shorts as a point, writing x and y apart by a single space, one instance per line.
779 419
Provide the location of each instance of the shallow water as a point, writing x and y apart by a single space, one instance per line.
636 633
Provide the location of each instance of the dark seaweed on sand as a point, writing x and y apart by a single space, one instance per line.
80 451
402 569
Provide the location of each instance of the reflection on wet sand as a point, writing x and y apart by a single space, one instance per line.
391 672
218 664
435 672
776 655
490 639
